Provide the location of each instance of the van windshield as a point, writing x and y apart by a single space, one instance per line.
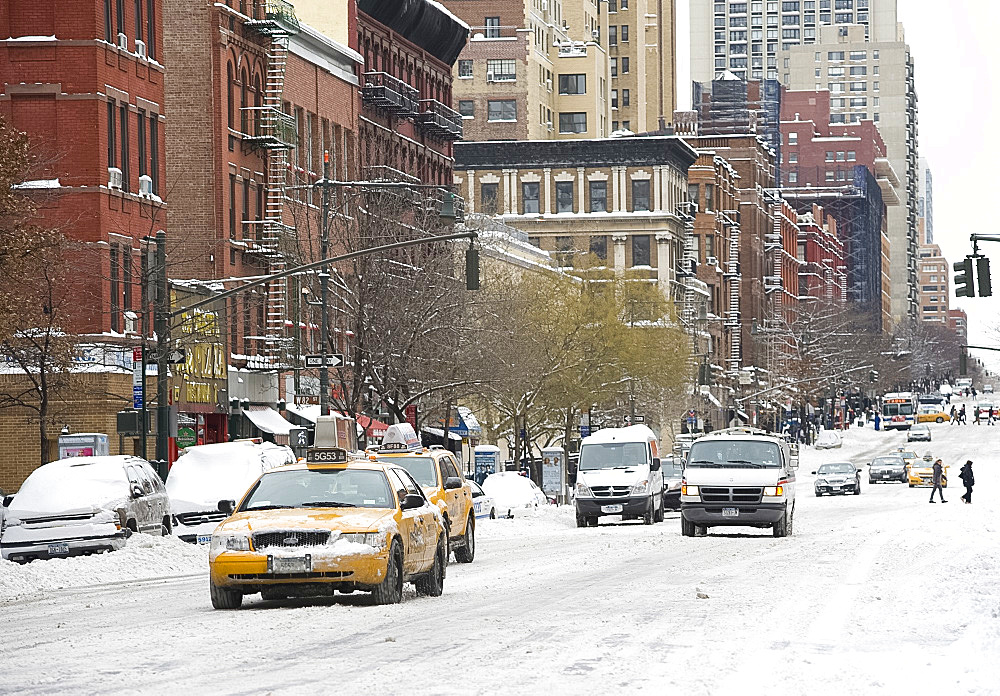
748 454
612 455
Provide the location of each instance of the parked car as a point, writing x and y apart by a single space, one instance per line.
310 529
887 468
511 491
482 504
84 505
927 413
673 477
987 389
205 474
919 433
837 478
4 502
828 439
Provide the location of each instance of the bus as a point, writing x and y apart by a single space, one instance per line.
899 410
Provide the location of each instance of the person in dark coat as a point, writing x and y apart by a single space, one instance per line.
938 470
968 480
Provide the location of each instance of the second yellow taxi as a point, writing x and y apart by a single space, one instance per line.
328 524
921 472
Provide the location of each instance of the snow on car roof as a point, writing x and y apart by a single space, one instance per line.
76 483
631 433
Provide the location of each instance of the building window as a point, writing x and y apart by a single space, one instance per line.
831 176
793 177
154 152
625 97
564 251
112 136
612 35
573 122
614 67
625 65
151 29
108 30
793 157
599 197
488 198
640 194
501 70
120 15
624 33
467 108
793 138
246 208
138 20
529 197
640 250
115 291
123 115
614 99
492 25
501 110
709 196
573 84
564 196
829 156
465 68
599 245
232 206
141 136
852 156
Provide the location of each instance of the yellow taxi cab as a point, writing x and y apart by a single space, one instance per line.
909 457
440 475
932 414
328 524
921 472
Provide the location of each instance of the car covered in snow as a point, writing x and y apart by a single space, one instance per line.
84 505
739 477
205 474
919 433
828 439
440 475
312 528
887 468
482 505
921 472
837 478
512 492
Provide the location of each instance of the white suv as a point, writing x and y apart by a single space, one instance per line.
738 478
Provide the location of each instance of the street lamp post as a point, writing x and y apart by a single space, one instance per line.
161 326
324 286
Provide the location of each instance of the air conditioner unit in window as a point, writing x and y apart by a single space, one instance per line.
146 186
712 261
114 178
122 41
545 5
489 77
548 84
140 48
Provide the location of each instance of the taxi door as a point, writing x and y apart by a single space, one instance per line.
414 531
459 500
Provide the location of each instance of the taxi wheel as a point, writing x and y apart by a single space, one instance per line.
432 584
390 590
223 598
467 551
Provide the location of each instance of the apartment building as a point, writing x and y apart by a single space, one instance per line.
925 202
935 290
958 321
619 201
823 273
872 77
746 37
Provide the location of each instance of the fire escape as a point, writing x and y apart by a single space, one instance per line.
274 135
733 323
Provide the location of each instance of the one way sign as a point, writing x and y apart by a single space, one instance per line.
332 360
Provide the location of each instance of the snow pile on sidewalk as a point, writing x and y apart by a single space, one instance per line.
143 557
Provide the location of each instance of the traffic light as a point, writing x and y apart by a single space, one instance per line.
963 278
472 268
983 276
873 376
963 362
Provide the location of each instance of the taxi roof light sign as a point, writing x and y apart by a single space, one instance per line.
400 438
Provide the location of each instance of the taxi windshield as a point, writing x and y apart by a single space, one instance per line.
836 469
420 468
319 488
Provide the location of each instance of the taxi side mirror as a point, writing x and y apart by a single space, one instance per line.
655 466
227 506
452 482
411 501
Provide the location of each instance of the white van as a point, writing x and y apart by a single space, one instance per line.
738 477
619 474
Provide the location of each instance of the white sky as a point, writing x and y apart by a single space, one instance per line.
958 113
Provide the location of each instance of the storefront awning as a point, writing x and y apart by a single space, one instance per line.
268 420
439 433
373 427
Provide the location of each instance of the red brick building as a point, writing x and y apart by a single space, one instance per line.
85 81
822 275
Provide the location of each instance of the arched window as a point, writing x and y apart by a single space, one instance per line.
229 95
244 86
258 101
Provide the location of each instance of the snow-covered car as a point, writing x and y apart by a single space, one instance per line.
888 468
84 505
919 433
837 478
511 491
828 439
987 389
482 504
673 477
206 474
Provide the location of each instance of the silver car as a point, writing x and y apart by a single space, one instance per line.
83 505
888 468
838 478
920 432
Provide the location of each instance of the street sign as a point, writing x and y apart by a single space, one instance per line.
638 419
332 360
584 430
176 356
138 377
137 397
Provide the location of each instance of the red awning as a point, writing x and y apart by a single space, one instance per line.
373 427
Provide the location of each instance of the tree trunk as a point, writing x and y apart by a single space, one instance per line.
43 427
567 433
447 424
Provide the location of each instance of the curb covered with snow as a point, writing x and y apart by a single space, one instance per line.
144 556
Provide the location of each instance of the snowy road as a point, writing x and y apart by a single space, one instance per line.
874 593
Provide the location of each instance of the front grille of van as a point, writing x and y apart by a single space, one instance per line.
731 495
611 491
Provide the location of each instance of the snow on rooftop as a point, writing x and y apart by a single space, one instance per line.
39 184
31 38
446 11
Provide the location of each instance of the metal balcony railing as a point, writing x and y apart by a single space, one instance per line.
272 17
440 120
388 92
269 127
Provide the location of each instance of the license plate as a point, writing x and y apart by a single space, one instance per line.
204 538
612 508
885 475
730 512
835 488
58 549
289 565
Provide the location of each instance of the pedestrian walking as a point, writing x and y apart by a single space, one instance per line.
953 414
938 470
968 480
961 415
992 414
975 417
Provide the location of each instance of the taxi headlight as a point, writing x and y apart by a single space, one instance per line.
229 542
774 491
583 490
640 488
374 539
689 490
